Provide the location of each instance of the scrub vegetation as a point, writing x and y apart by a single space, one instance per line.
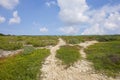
105 56
102 38
17 42
68 54
26 65
23 66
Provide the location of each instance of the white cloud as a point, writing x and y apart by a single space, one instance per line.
16 19
2 19
69 30
73 11
94 30
108 18
51 3
110 26
113 21
9 4
99 21
43 29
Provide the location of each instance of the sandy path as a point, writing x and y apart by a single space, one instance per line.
81 70
85 45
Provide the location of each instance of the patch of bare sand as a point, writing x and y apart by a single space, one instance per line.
9 53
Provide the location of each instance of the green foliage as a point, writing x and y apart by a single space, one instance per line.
10 46
23 67
41 41
68 54
106 57
73 41
108 38
17 42
77 39
28 49
9 43
102 38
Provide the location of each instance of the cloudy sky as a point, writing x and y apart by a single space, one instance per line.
59 17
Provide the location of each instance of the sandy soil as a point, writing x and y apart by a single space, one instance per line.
9 53
85 45
4 53
81 70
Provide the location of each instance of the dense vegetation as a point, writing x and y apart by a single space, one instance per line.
24 66
17 42
9 43
68 54
102 38
41 41
105 56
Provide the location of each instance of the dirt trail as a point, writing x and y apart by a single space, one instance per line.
81 70
85 45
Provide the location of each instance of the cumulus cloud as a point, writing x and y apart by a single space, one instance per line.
50 3
2 19
73 11
107 17
96 29
43 29
99 21
113 21
69 30
9 4
16 19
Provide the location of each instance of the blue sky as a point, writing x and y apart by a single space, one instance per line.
59 17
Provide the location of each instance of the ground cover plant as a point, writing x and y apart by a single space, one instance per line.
41 41
100 38
68 54
9 43
23 66
17 42
105 56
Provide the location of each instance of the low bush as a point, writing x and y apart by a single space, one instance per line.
11 46
68 54
106 57
23 67
28 49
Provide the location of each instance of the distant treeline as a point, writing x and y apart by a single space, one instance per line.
1 34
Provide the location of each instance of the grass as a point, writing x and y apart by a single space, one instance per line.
68 54
106 57
24 66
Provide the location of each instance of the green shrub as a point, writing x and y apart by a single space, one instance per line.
28 49
68 54
73 41
42 41
23 67
106 57
11 46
